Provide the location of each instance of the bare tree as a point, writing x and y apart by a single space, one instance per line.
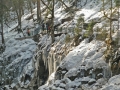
38 11
52 31
17 8
52 12
109 17
63 3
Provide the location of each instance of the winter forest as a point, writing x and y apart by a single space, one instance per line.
59 44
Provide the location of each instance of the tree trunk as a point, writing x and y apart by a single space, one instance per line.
63 3
2 33
52 30
118 23
118 16
46 5
38 11
111 22
30 5
19 14
110 18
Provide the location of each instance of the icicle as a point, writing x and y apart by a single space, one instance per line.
49 66
44 56
107 72
54 62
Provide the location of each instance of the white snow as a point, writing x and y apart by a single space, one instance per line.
82 53
18 58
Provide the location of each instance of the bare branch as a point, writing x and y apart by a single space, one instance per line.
63 3
46 5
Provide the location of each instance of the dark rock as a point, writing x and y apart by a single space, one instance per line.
66 19
59 75
27 77
35 87
84 82
90 38
36 37
97 71
92 81
55 26
67 80
59 34
100 75
72 78
62 85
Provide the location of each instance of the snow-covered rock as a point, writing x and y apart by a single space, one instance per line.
17 59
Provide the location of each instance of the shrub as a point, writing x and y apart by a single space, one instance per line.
79 25
102 36
67 39
77 31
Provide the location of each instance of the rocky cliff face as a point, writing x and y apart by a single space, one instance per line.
48 57
68 65
61 65
85 65
16 62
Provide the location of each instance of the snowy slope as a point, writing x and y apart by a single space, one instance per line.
17 60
